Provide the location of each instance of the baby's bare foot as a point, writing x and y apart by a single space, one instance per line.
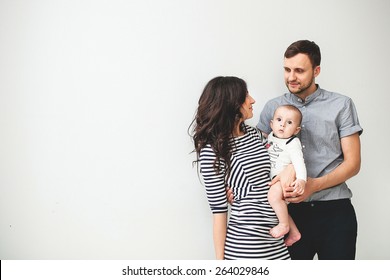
292 237
279 230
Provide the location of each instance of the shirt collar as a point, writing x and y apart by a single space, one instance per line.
308 99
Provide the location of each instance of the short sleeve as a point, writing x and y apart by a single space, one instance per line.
348 120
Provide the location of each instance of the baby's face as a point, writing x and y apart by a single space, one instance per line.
285 123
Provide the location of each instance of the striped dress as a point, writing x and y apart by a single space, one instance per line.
251 216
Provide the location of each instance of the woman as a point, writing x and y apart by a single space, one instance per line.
231 153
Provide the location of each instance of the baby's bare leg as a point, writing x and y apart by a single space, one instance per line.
275 198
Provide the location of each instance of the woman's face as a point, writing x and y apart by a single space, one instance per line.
246 107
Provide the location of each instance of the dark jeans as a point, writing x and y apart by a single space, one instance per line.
328 228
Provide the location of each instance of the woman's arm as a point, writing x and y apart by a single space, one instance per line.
219 233
215 189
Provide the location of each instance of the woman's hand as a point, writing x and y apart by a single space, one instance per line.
229 195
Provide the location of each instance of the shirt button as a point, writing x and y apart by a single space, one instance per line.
303 125
312 204
303 146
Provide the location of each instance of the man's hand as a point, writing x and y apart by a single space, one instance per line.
308 191
299 186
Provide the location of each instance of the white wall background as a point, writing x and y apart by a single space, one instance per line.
96 98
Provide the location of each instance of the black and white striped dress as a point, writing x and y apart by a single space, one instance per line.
251 215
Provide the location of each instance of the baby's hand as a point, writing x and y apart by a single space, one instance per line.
299 186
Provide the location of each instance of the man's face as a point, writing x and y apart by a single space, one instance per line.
299 75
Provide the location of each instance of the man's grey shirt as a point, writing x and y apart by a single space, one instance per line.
327 117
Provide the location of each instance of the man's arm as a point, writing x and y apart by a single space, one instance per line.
350 146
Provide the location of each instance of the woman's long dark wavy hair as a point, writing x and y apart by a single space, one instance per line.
217 116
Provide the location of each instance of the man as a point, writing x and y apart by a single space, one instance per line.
331 146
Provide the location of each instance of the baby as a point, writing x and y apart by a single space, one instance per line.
285 148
